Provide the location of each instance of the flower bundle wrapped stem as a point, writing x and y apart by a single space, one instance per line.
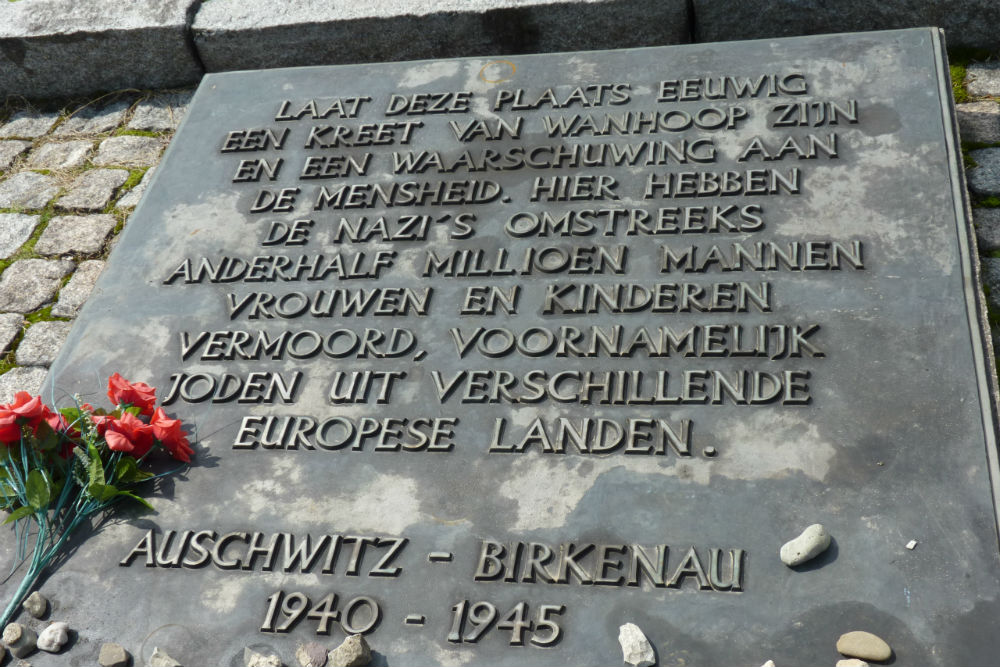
57 469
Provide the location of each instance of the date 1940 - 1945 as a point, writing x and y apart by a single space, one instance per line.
470 621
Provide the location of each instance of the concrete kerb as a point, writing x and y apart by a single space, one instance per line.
56 48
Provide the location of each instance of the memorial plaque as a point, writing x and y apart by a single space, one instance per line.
490 356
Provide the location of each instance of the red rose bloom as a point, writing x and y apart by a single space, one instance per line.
139 394
29 408
129 434
10 430
168 432
101 422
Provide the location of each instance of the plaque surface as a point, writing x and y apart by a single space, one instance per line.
488 357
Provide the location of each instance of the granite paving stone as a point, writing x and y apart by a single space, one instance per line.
130 151
93 189
131 198
74 293
987 222
979 121
29 379
10 326
991 279
984 178
28 284
15 229
76 234
60 154
10 151
29 124
41 343
983 79
27 189
160 113
94 119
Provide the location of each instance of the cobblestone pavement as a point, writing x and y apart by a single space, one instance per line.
69 180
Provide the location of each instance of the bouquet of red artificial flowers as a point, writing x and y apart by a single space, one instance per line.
57 468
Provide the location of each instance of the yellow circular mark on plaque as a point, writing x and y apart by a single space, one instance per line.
497 71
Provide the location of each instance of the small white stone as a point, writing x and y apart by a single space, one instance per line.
636 649
769 663
53 637
36 604
852 662
813 541
353 652
253 659
161 659
911 545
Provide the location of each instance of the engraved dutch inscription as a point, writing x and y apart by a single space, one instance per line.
490 357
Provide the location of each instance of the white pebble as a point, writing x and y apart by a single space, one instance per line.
52 638
636 649
911 544
813 541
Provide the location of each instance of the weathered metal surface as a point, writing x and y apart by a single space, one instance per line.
883 430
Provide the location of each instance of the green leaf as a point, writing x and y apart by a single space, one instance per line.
135 498
71 415
133 410
95 467
45 438
127 471
38 489
19 513
102 492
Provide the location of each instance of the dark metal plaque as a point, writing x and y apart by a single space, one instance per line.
490 356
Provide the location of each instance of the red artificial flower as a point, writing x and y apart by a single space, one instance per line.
168 432
129 434
29 408
101 422
139 394
10 430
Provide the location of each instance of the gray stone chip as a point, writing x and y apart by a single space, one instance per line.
77 234
113 655
93 189
74 293
28 379
29 124
353 652
28 284
21 640
130 151
41 343
979 121
60 154
10 151
36 604
15 229
984 178
27 189
983 79
160 113
94 120
10 326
